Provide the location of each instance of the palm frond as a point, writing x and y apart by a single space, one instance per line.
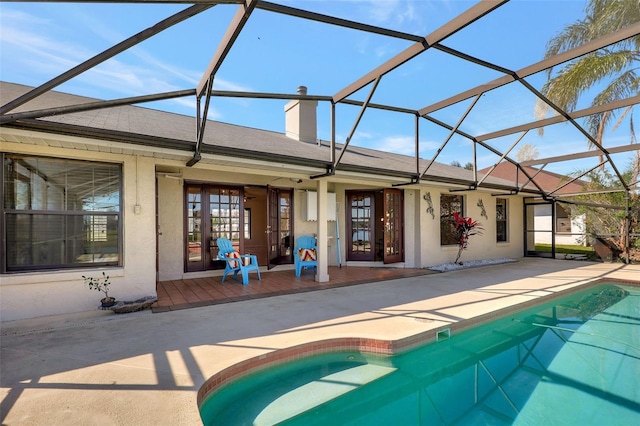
602 17
576 78
623 87
620 119
612 15
572 36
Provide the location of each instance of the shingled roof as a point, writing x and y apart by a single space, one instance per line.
144 127
548 181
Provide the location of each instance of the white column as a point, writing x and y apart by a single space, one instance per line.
412 228
322 274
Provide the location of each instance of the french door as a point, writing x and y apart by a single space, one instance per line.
375 226
211 212
257 220
279 226
361 243
393 226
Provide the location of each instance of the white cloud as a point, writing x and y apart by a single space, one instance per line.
20 18
191 77
429 145
37 48
383 10
383 51
405 14
396 144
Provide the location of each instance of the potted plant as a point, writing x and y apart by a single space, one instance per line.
101 284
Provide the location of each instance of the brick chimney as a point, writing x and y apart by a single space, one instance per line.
300 118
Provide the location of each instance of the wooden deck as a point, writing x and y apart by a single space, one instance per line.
183 294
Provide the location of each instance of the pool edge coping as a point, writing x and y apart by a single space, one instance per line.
373 346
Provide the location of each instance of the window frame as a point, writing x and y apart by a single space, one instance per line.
449 238
74 216
504 221
247 223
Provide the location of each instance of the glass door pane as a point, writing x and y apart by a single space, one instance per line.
226 216
360 235
272 227
393 238
285 224
194 228
280 226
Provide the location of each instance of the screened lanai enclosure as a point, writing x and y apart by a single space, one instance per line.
542 94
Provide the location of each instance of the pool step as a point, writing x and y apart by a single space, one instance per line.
318 392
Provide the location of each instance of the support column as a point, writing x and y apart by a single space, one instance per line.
412 228
322 274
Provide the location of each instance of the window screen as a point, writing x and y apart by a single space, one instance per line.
60 213
449 204
501 219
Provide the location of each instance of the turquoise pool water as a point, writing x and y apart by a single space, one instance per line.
572 361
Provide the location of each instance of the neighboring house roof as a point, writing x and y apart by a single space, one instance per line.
159 129
548 181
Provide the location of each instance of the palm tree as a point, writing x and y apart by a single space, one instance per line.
618 62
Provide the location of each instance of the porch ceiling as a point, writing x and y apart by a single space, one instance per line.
358 97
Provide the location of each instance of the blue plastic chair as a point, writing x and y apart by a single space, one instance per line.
305 254
243 263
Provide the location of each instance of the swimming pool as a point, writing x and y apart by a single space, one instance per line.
573 361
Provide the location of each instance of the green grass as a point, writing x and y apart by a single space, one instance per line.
570 249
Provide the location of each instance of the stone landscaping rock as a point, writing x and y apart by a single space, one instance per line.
469 264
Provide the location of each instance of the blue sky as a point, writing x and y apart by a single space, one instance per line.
276 53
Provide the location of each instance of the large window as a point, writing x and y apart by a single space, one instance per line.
59 213
501 219
449 204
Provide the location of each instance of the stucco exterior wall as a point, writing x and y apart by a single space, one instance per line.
412 226
35 294
542 224
543 227
301 226
171 212
29 295
480 247
170 228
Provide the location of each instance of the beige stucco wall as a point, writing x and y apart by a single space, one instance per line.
30 295
480 247
170 209
543 226
170 228
412 224
302 226
422 231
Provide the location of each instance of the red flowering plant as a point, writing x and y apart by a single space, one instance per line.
465 228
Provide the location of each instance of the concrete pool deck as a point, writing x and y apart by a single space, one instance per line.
146 369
